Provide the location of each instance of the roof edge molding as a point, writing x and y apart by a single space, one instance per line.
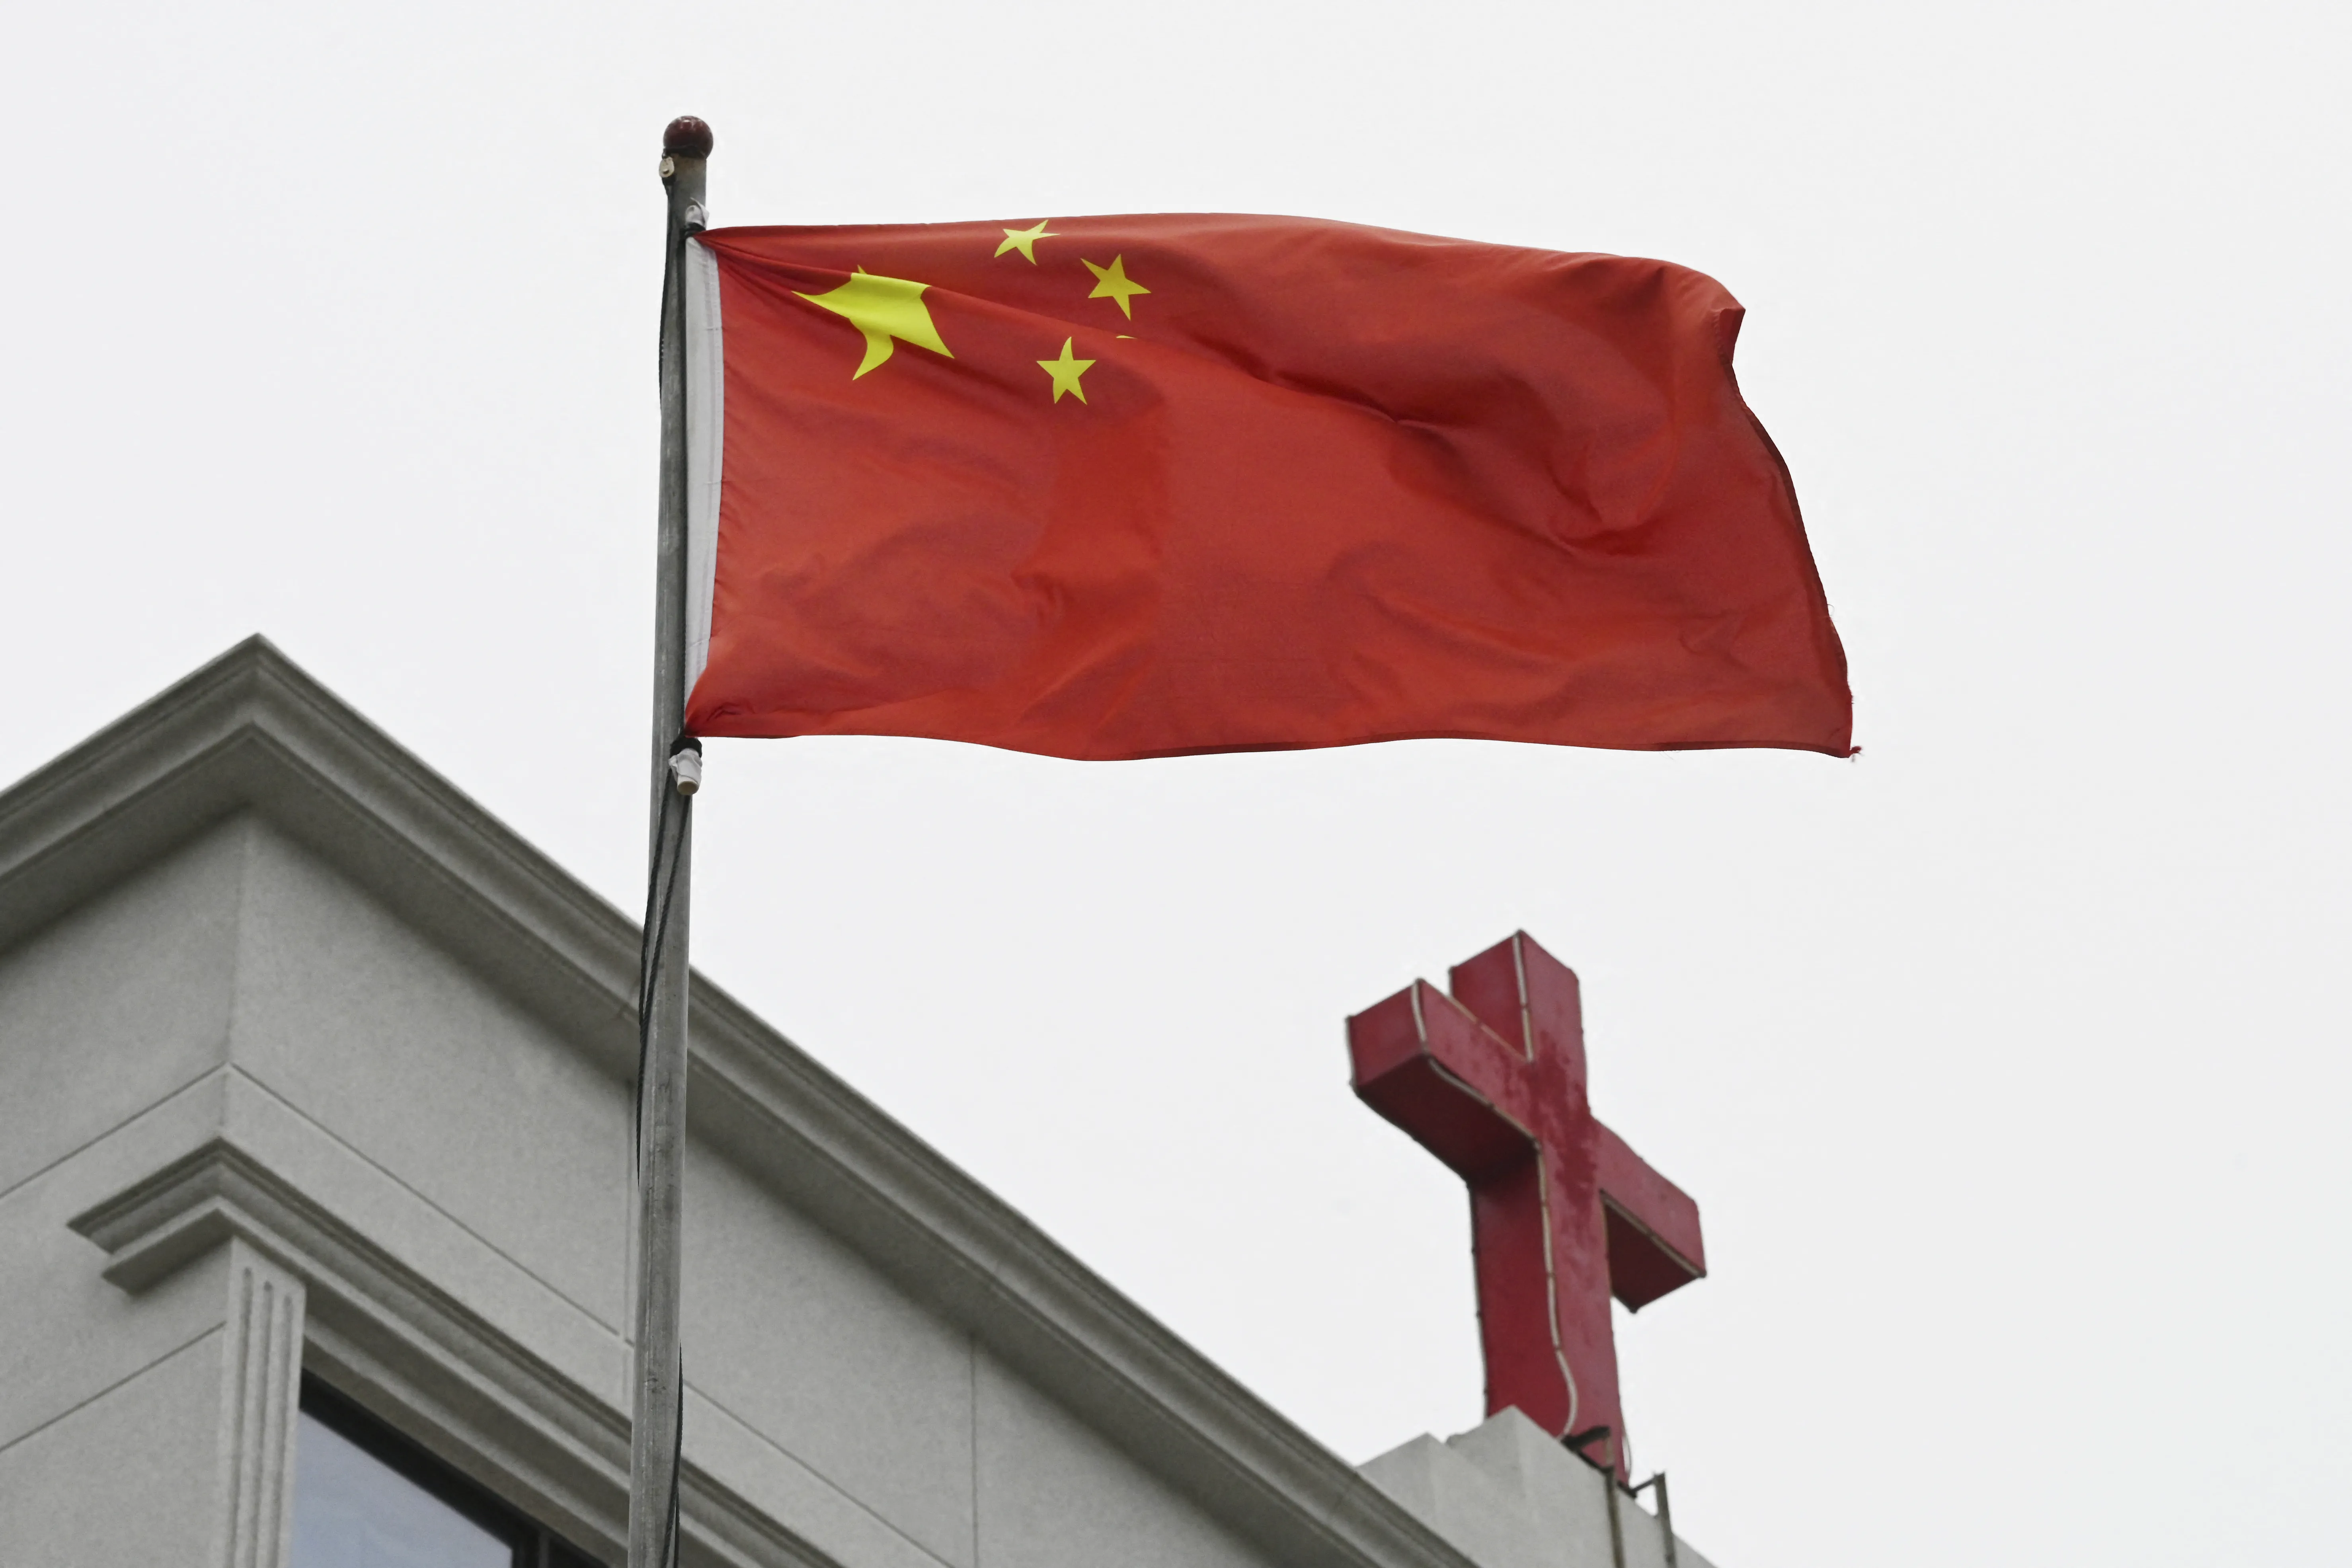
251 731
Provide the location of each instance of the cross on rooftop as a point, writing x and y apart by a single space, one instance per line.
1491 1080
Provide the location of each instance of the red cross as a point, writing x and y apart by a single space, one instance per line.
1491 1080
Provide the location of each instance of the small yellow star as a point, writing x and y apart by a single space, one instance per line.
1112 282
1024 240
1066 371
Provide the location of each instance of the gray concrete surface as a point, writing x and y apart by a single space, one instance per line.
306 1063
1508 1497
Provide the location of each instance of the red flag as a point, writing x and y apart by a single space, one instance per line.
1128 486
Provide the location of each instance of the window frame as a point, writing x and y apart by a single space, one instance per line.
533 1544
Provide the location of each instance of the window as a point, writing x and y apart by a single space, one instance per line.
365 1496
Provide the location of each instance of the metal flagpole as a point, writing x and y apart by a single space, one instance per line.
655 1430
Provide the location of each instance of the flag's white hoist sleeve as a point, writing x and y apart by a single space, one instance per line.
706 447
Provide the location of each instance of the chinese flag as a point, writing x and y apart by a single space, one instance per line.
1129 487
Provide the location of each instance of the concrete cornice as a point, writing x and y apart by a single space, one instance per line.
250 731
383 1325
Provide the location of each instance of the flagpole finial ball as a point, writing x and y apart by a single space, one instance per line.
687 138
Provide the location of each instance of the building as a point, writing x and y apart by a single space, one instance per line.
314 1132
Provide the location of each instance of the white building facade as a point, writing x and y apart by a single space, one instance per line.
314 1138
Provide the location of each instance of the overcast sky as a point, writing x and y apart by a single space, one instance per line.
2007 1061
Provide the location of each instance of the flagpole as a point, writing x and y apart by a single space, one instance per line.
659 1380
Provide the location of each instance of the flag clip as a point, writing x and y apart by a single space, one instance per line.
685 765
696 219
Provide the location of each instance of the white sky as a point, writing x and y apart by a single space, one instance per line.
2007 1063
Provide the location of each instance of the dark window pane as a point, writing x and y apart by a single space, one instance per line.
352 1511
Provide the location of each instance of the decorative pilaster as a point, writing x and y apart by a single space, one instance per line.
261 1378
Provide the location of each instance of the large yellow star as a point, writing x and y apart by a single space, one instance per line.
882 309
1066 371
1112 282
1024 240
